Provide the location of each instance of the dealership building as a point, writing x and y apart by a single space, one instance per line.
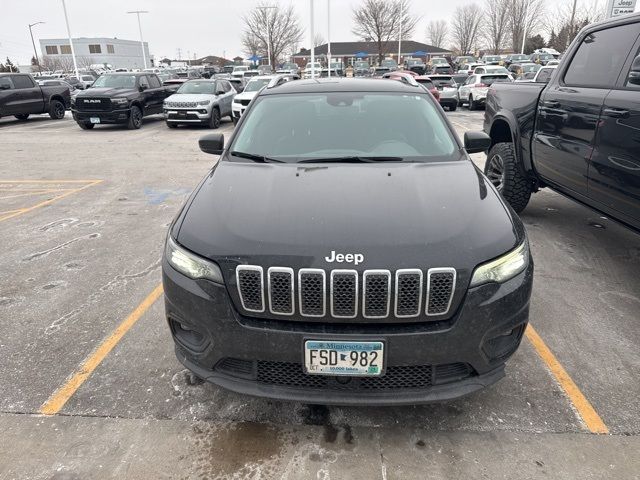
99 50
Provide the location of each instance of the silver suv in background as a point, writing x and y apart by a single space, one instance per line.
200 101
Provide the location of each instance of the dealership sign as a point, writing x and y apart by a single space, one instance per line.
615 8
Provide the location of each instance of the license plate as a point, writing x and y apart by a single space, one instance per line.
363 359
94 119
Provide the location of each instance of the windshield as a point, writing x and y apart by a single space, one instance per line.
530 68
492 58
289 66
115 81
387 63
443 82
439 61
426 82
489 79
298 127
518 58
257 84
362 65
207 88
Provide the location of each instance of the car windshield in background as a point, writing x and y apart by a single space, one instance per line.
346 125
389 63
257 84
530 68
361 65
490 79
115 81
494 58
206 88
426 83
519 58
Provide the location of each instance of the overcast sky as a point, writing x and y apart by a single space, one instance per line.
203 27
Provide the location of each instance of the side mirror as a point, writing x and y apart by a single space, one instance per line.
220 92
212 143
5 86
634 74
476 142
143 87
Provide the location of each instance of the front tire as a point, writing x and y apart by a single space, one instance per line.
135 118
22 116
56 110
472 104
214 121
452 108
504 172
172 125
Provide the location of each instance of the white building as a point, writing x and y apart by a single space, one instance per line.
89 51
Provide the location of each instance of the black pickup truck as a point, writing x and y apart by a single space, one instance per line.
21 96
580 133
123 98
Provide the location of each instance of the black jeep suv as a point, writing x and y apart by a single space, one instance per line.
335 256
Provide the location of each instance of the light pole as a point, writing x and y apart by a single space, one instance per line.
73 51
400 33
144 55
34 44
313 49
268 31
524 33
329 37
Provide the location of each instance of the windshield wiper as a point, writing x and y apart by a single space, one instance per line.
352 159
256 158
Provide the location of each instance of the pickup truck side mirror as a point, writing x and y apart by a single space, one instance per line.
142 88
5 86
220 92
212 143
476 142
634 74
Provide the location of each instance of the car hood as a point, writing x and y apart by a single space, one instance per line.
106 92
189 97
411 215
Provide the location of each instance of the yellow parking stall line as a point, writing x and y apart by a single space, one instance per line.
60 397
34 192
11 189
584 408
47 181
50 201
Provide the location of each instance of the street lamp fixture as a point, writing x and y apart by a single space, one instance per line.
34 44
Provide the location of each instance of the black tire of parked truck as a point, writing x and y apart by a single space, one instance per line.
503 171
172 125
56 110
135 118
22 116
85 125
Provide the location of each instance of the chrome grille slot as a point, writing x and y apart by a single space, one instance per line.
376 293
441 283
280 287
250 287
408 293
344 293
312 292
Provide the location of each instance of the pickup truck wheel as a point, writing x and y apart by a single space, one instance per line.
503 172
214 121
135 118
85 125
22 116
452 108
472 104
172 125
56 110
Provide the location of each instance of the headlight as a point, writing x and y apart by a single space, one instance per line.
204 102
191 265
120 101
503 268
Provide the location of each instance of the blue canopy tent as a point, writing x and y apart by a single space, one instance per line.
419 53
255 58
362 55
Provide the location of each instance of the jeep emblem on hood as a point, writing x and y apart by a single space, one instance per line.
355 258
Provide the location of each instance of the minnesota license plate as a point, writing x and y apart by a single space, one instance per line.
94 119
362 359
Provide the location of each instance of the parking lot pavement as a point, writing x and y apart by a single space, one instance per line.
86 342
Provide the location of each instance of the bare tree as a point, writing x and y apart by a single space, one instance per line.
318 40
379 21
85 61
251 44
465 27
437 33
497 25
524 14
278 27
569 16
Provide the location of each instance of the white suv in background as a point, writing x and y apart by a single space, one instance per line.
473 92
241 101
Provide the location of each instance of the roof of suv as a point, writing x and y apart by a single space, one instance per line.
340 85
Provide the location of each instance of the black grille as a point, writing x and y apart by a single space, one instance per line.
400 377
281 291
93 104
250 287
245 102
408 293
312 293
288 375
439 292
344 291
376 294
